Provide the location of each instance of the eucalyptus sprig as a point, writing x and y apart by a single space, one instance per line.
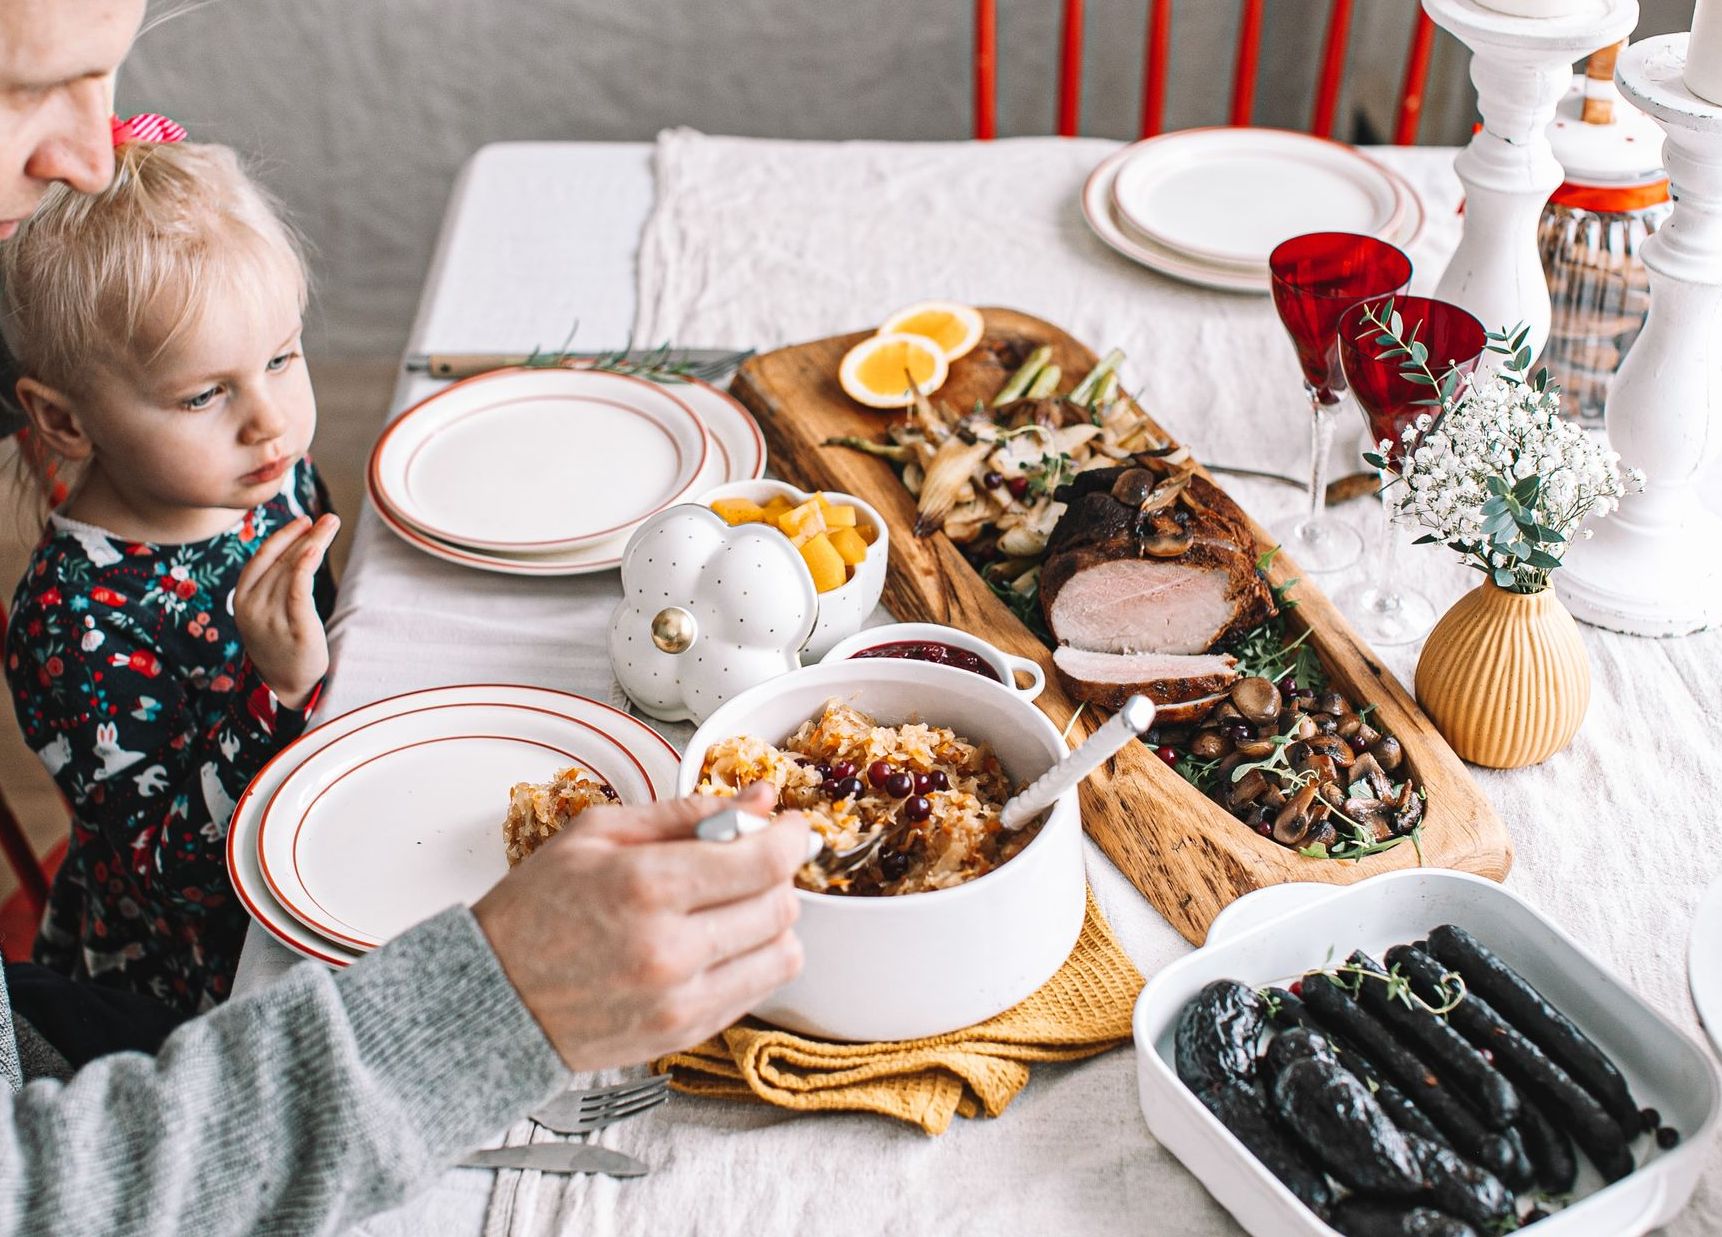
1494 472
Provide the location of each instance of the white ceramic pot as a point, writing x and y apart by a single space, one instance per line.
1007 666
880 969
1274 935
842 610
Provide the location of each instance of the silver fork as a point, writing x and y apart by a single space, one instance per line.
582 1112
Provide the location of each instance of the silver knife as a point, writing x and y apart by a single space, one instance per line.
466 364
558 1158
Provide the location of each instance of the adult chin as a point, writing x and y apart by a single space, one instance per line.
8 227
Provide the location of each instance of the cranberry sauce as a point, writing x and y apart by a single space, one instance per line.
934 651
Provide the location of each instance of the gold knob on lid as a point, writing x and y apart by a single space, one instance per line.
674 629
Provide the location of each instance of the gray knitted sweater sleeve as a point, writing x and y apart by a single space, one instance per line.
303 1108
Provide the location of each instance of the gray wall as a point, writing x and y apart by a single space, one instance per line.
358 113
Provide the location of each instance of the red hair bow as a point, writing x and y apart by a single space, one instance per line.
146 127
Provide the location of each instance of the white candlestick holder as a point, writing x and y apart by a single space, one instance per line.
1521 67
1651 568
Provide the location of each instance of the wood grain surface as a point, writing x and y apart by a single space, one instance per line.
1188 856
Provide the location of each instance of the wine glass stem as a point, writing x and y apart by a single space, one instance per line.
1321 442
1386 581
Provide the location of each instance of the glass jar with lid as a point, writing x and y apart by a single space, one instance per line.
1614 196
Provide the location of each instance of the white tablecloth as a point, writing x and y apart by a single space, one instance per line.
763 243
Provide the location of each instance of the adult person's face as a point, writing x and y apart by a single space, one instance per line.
57 60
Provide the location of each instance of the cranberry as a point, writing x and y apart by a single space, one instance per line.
1266 829
940 780
1668 1138
1018 486
1296 988
1649 1119
823 770
1239 732
1357 743
841 769
917 808
829 788
993 479
848 787
877 772
899 785
923 783
1288 685
1168 754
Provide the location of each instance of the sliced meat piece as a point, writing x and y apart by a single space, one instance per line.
1168 679
1106 583
1125 604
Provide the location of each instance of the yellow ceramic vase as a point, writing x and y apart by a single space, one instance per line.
1504 677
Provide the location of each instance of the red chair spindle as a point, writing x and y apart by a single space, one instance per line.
32 880
1154 67
1249 54
1070 71
1416 79
1332 68
986 69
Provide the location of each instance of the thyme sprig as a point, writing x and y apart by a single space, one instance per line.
659 364
1350 977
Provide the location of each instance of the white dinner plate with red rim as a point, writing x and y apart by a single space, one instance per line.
1230 195
643 745
1704 963
738 455
1103 219
534 460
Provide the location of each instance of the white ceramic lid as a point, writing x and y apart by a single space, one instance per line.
707 611
1626 151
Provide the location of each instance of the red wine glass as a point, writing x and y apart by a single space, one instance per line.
1316 278
1386 609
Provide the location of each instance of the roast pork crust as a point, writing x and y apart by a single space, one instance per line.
1097 529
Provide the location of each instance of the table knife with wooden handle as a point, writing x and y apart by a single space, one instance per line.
468 364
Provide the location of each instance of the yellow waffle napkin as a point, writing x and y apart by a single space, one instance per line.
1081 1011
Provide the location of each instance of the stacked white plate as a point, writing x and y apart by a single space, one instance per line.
393 812
546 471
1209 205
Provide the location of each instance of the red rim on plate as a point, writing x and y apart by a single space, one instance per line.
434 400
357 938
570 562
256 899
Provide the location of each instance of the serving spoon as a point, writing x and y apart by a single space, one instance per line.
1131 721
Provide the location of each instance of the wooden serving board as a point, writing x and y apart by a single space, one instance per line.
1188 856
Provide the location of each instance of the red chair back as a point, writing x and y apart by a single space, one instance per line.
1246 64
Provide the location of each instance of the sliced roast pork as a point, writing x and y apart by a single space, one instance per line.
1184 686
1154 575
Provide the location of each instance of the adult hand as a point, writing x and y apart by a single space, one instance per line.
628 938
275 607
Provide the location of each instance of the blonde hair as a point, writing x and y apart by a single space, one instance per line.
117 277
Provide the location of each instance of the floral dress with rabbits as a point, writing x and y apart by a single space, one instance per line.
131 684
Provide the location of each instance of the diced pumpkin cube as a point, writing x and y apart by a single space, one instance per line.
738 511
802 522
842 515
775 506
824 562
869 534
847 542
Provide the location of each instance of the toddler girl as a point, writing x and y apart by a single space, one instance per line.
167 639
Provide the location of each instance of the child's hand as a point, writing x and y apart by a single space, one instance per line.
275 607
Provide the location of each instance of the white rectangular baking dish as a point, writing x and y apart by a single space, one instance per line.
1276 934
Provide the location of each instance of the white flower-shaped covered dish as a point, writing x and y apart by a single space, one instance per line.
707 611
